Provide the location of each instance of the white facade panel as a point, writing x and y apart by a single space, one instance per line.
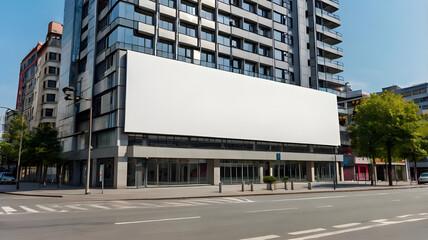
170 97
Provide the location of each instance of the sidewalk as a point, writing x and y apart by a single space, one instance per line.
203 191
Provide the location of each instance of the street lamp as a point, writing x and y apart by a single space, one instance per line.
18 167
69 95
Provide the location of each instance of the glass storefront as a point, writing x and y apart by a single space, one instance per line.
294 170
143 172
232 172
324 171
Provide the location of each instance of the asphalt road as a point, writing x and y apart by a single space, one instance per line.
393 214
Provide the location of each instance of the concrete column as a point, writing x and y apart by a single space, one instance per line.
213 171
270 168
375 172
120 172
337 172
342 177
261 174
310 171
94 172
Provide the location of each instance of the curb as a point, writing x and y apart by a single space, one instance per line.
211 196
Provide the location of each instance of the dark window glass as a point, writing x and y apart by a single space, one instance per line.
187 30
50 97
188 8
166 24
169 3
207 14
209 36
52 70
48 112
51 84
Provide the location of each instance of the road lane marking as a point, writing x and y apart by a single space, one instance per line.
267 237
407 215
159 220
397 200
326 206
46 208
149 205
367 195
307 231
75 207
346 225
123 206
98 206
245 200
29 209
332 233
9 210
300 199
178 204
271 210
421 214
379 220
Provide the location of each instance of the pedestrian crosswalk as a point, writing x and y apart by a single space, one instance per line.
116 205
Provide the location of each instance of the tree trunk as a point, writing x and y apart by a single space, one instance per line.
415 170
60 176
372 170
45 175
389 150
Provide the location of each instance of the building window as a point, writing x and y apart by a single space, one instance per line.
250 69
207 59
48 112
169 3
50 97
264 31
166 24
207 35
165 49
223 19
263 12
223 63
207 14
282 37
225 1
52 70
249 6
236 43
249 26
284 3
188 8
52 56
223 40
185 54
143 16
265 72
264 51
187 30
236 65
49 84
250 47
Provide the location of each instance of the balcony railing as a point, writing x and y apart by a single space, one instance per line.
319 43
338 63
328 14
323 28
331 91
331 77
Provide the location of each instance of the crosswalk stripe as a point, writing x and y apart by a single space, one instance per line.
177 204
9 210
29 209
149 204
123 206
76 207
267 237
46 208
97 206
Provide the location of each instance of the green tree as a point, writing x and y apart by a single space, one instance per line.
43 148
383 123
12 136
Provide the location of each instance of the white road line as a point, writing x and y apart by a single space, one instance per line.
346 225
300 199
397 200
76 207
158 220
379 220
9 210
271 210
326 206
29 209
178 204
421 214
417 197
240 199
46 208
332 233
262 237
366 195
407 215
307 231
98 206
123 206
149 205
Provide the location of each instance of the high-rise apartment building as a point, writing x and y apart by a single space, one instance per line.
39 72
197 92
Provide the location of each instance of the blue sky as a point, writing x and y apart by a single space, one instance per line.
384 41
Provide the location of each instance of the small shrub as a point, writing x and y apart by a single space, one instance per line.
269 179
285 179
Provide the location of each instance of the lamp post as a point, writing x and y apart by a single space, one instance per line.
69 95
18 167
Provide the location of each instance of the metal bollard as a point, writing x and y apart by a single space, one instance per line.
292 185
243 186
252 187
219 187
309 186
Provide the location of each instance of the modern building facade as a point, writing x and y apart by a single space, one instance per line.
38 90
111 47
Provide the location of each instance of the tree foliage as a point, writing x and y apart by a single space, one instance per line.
382 124
13 136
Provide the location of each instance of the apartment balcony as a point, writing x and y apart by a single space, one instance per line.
331 66
329 20
335 92
329 36
332 80
330 6
344 112
330 52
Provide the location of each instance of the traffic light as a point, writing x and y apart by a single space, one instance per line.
69 93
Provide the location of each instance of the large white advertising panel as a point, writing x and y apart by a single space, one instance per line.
169 97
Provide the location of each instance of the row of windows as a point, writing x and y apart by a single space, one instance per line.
50 97
51 56
414 92
51 70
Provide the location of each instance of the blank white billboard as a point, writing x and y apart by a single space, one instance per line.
169 97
